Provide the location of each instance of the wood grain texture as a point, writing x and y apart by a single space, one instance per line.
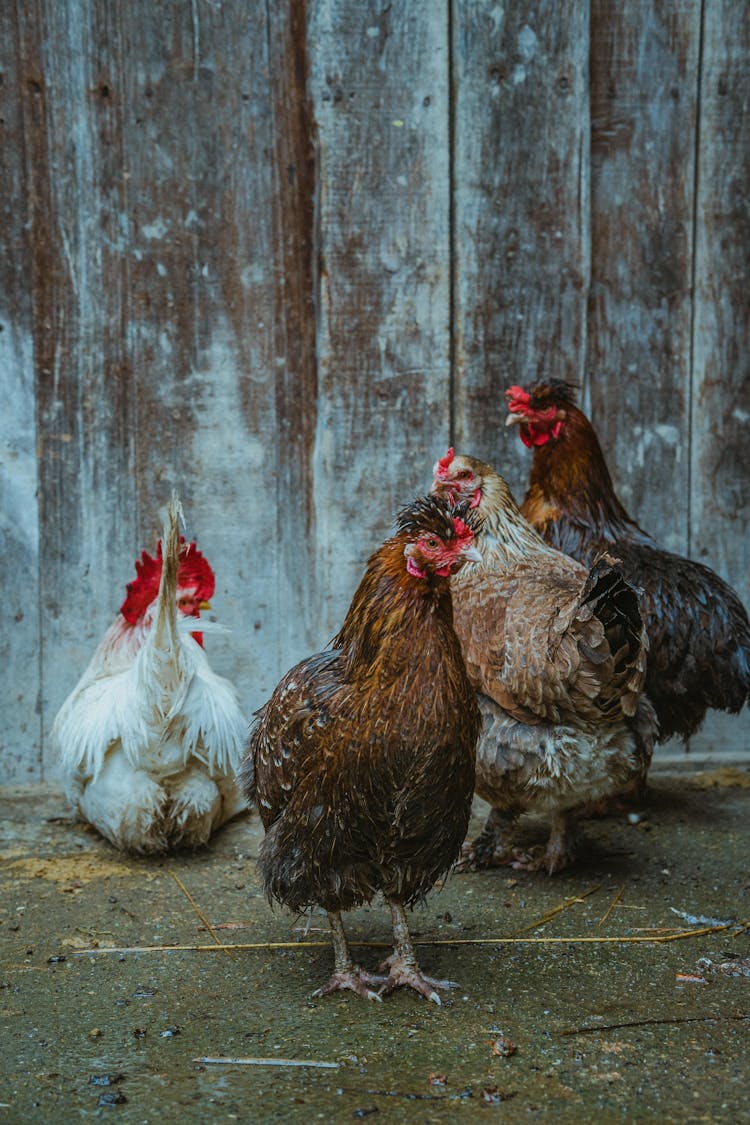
720 485
197 137
20 733
644 87
295 212
379 82
86 490
521 212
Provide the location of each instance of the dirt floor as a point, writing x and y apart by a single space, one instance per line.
565 1016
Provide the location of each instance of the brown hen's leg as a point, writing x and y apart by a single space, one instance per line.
561 850
404 972
493 845
346 974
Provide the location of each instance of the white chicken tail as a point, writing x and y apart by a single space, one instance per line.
165 626
161 658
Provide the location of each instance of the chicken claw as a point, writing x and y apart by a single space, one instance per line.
403 970
406 974
347 975
492 847
542 859
355 979
560 852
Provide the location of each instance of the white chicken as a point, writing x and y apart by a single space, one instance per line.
150 738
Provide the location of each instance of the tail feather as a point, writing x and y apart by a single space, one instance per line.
165 627
160 661
616 605
246 776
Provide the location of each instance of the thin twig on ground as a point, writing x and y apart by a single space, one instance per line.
611 906
557 910
629 939
650 1023
199 912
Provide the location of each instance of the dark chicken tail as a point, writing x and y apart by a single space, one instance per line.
616 604
246 779
245 776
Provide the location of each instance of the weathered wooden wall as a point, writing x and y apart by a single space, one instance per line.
278 254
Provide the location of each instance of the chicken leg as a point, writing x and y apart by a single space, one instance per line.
493 845
561 849
347 975
403 970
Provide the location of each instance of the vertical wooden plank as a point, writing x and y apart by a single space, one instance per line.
198 137
521 203
295 220
84 401
20 733
644 66
379 81
720 481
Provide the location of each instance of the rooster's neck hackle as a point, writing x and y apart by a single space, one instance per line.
389 605
507 537
570 473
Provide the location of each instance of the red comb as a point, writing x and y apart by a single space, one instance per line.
444 463
193 572
462 530
517 398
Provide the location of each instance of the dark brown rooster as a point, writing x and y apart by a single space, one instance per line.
698 629
364 755
558 655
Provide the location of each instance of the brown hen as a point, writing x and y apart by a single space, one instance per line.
698 630
364 755
558 656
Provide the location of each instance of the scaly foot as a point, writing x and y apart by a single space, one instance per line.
493 846
562 847
486 851
404 973
355 979
542 859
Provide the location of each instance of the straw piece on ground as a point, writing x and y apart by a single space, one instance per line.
630 939
557 909
611 906
199 912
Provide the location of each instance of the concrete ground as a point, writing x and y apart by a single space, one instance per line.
541 1029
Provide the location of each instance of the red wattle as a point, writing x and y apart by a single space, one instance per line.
413 569
531 437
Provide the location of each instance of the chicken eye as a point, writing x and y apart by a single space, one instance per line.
431 543
464 474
